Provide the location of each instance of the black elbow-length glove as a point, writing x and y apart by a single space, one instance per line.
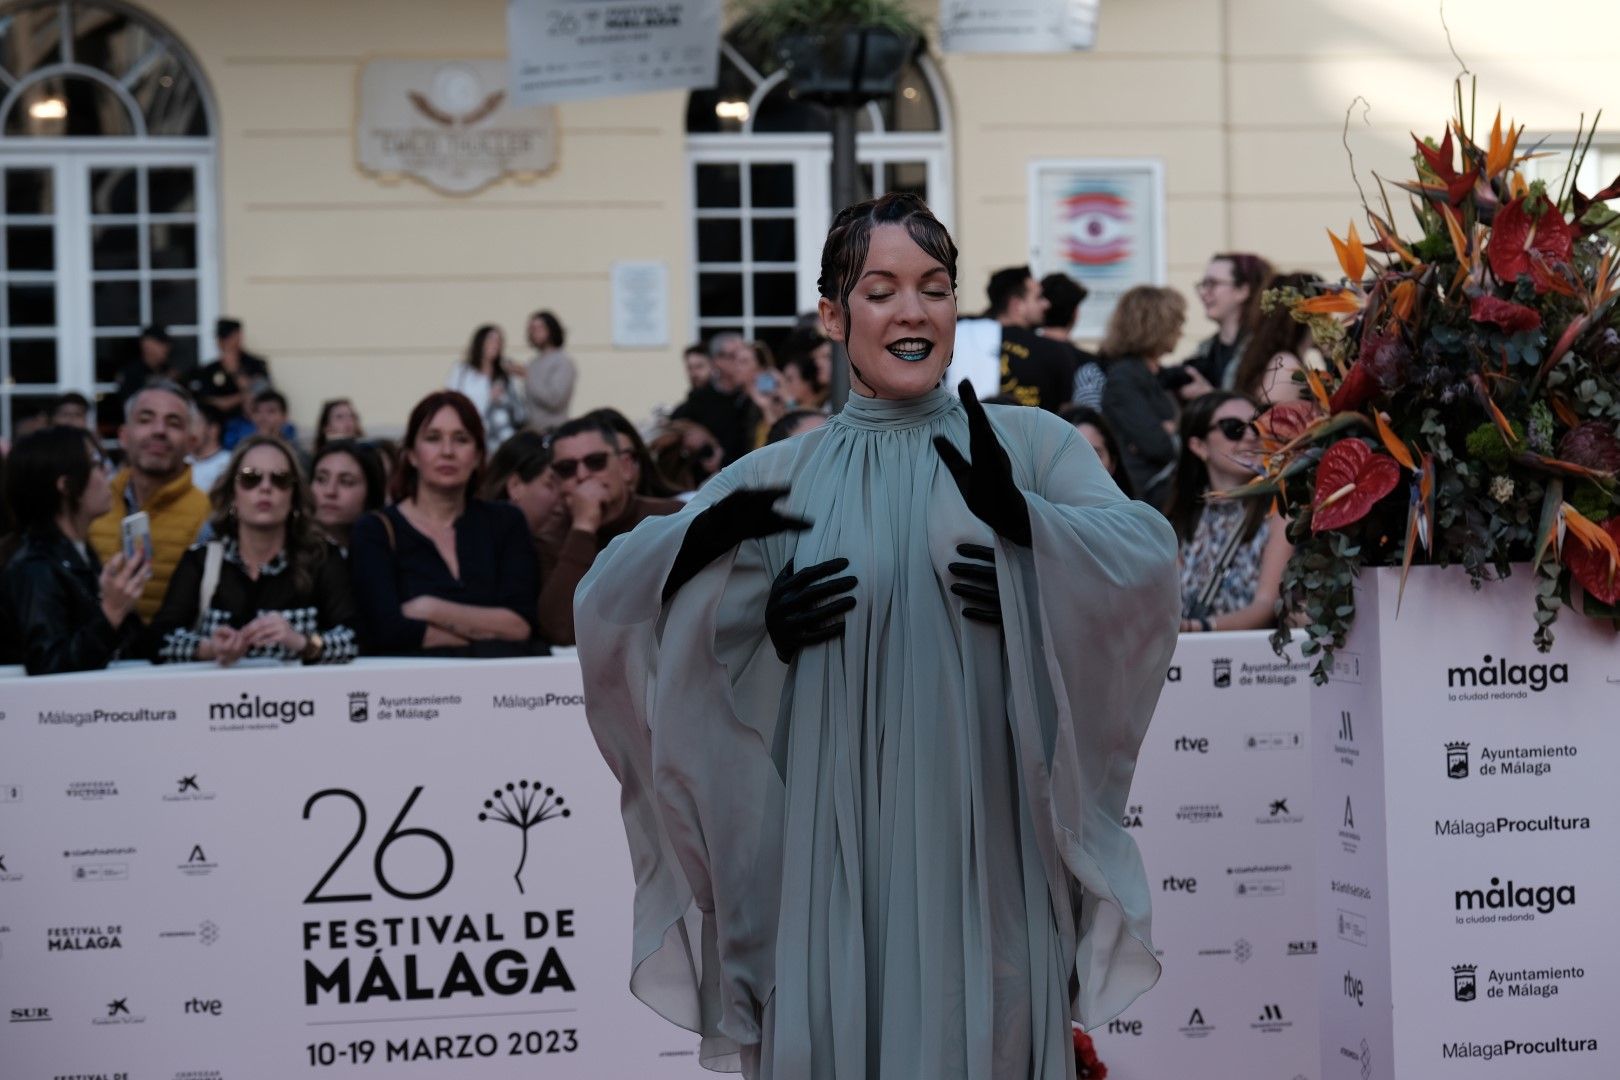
747 514
986 483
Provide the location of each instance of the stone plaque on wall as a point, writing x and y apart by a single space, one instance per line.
449 124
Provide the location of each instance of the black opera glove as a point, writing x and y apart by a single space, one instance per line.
747 514
803 610
986 484
978 585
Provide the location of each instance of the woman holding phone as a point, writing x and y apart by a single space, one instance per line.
270 584
60 609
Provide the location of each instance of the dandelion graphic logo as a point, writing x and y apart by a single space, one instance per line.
523 805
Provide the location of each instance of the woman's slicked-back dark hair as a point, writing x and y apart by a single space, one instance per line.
402 483
37 461
844 254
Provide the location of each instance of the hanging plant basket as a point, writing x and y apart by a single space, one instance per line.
846 67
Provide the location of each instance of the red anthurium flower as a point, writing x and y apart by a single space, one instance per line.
1522 244
1086 1065
1350 478
1504 313
1589 564
1358 388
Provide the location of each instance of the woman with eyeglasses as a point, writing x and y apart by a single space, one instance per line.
441 571
269 583
60 609
1232 551
1230 292
586 465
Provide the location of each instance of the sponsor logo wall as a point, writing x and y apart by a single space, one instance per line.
1479 891
389 870
1222 807
382 870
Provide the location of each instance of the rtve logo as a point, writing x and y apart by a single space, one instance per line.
1187 885
1187 742
202 1007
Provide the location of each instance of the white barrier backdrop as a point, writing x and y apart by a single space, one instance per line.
1468 885
387 871
272 873
1221 808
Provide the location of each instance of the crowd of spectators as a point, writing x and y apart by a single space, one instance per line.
469 536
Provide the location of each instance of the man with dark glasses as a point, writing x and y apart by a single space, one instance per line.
585 463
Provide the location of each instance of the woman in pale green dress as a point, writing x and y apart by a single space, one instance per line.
875 699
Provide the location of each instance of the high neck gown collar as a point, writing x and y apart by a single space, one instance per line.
886 414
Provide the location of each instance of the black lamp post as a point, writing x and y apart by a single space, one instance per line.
844 69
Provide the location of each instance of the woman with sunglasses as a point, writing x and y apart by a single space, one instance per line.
279 587
586 465
1232 550
442 572
60 609
685 454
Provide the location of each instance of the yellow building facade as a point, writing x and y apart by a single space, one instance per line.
366 287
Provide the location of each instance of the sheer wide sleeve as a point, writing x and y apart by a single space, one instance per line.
682 699
1091 626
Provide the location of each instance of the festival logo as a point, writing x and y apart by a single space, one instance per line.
1132 818
1097 227
523 807
84 938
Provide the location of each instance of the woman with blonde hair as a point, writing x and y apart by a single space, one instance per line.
1144 327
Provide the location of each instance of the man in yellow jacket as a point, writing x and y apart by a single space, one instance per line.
156 436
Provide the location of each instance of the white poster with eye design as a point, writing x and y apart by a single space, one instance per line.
1101 221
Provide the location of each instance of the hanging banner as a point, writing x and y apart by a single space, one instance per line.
1101 221
449 124
1017 26
394 869
575 50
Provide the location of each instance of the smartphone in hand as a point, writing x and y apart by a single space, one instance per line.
137 536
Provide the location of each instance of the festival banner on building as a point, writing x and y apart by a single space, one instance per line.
449 124
1467 883
1101 221
1017 26
385 870
576 50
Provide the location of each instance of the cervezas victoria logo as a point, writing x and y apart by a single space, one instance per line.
523 806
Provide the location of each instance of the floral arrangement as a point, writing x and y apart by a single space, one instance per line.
1086 1065
1469 408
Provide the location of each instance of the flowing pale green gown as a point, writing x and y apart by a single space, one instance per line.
895 858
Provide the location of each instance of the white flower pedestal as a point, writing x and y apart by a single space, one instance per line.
1468 899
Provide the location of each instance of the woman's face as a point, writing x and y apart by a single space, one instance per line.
97 497
444 453
494 345
902 318
822 355
342 422
1231 455
704 453
539 337
629 464
1278 383
1090 433
1219 291
540 499
795 391
264 488
339 487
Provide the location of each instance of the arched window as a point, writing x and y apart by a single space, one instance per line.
758 163
107 200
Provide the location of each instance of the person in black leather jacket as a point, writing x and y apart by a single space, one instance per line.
60 609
